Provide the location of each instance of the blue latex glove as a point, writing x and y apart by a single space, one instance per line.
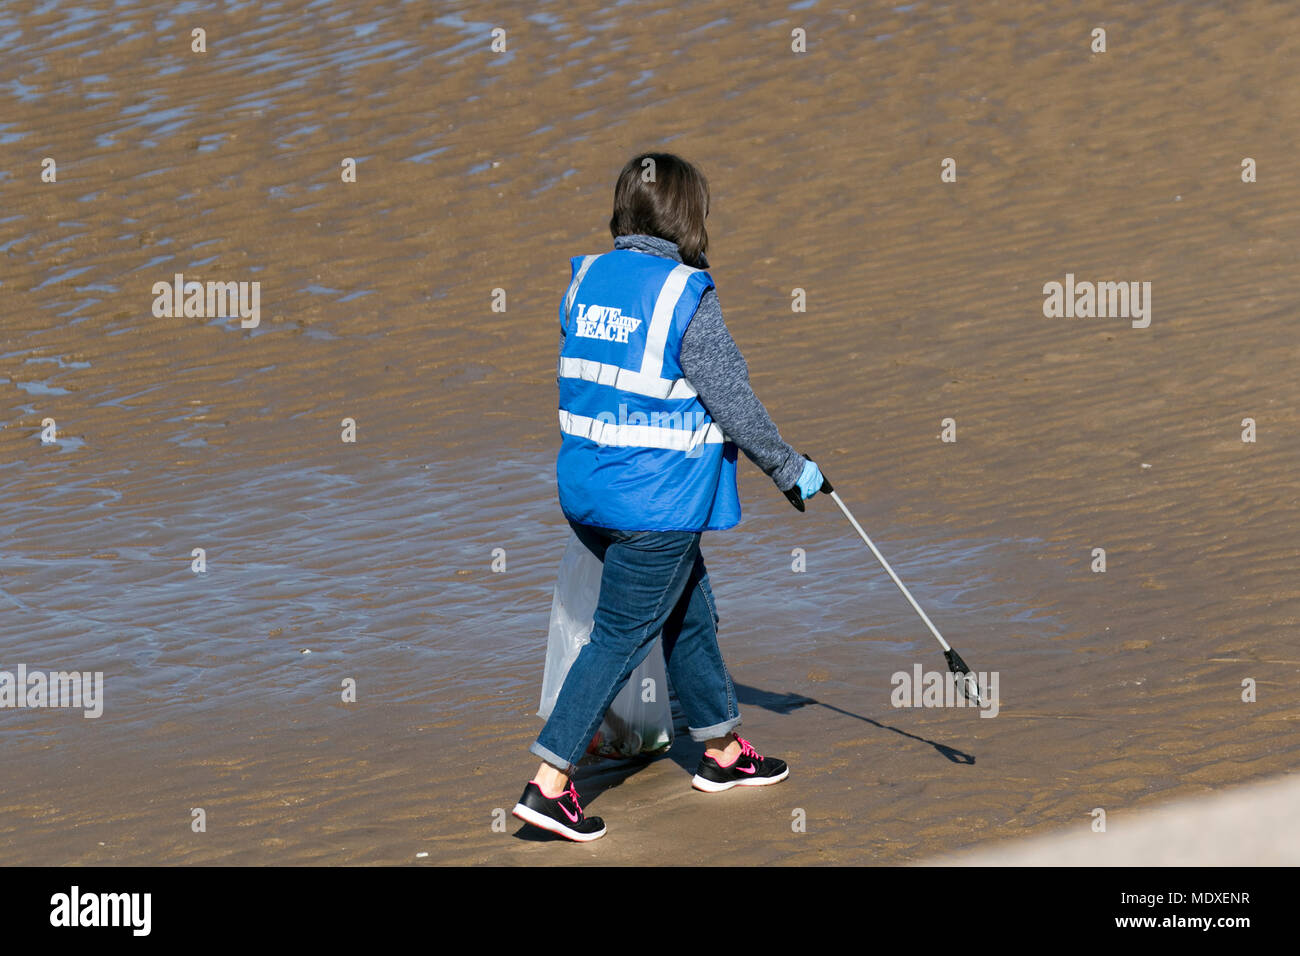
810 479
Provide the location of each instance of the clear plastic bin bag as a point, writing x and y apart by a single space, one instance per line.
640 719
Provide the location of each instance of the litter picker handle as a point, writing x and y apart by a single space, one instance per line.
969 684
796 497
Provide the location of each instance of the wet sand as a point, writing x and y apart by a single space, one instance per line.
480 171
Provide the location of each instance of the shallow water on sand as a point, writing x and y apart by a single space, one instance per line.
384 571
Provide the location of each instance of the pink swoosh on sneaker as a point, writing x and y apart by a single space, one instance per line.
753 768
573 817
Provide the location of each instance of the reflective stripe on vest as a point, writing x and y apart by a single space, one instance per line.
573 286
652 363
625 435
625 380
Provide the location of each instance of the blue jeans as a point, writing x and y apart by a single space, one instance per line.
652 582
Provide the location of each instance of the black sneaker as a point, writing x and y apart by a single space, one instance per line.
560 814
750 769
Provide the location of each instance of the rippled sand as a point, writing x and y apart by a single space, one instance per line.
480 171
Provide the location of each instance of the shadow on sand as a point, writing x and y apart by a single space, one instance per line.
600 774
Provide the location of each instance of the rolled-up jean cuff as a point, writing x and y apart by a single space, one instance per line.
553 759
717 730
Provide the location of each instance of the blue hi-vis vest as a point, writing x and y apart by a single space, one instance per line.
639 450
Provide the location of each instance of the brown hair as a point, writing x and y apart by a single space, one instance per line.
659 194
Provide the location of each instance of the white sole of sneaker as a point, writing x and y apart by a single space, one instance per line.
543 822
708 786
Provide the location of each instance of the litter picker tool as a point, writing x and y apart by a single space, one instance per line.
968 683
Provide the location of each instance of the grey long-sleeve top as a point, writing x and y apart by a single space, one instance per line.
712 363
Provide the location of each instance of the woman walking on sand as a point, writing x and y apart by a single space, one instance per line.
654 401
